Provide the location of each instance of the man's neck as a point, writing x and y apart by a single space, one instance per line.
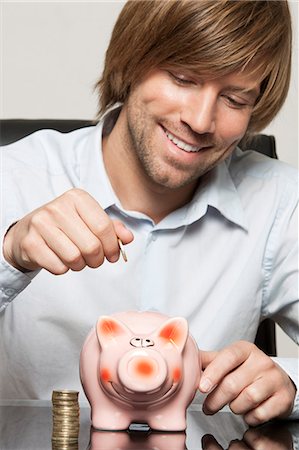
135 190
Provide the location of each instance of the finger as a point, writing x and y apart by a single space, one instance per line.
208 442
252 396
238 445
86 224
102 226
223 363
241 389
66 250
75 244
35 252
269 437
207 357
272 408
125 235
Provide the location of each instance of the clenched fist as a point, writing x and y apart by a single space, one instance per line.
70 232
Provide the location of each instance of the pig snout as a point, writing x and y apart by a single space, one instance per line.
142 371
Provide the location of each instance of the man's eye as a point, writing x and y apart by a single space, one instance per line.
180 78
235 103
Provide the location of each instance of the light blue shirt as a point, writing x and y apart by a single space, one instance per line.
225 261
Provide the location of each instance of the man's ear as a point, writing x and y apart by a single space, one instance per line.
110 330
174 331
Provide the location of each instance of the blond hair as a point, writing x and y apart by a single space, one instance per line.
210 37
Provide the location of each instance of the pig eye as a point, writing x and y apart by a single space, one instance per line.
147 343
136 342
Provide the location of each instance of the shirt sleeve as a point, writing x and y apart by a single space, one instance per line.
281 278
290 366
12 281
24 168
280 299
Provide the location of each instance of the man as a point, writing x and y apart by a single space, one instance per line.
212 230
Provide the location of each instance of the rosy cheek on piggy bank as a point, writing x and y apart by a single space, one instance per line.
177 375
105 374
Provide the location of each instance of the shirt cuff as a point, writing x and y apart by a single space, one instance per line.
12 281
290 366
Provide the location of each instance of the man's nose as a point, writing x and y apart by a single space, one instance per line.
200 112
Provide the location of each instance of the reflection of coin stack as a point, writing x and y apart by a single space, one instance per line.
65 420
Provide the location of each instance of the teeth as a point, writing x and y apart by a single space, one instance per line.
181 144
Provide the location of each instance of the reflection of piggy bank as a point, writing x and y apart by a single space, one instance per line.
111 440
139 367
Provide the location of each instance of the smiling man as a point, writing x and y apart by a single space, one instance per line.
173 129
212 229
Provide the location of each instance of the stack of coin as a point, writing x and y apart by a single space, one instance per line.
66 421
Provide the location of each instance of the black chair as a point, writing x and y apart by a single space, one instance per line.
13 129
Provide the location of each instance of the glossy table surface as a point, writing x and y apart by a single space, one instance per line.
27 425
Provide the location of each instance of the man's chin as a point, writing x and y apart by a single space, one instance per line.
176 183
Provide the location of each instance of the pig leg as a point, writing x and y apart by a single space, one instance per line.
105 415
170 418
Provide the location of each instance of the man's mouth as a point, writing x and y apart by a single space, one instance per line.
181 144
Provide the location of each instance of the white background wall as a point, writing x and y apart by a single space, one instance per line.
51 55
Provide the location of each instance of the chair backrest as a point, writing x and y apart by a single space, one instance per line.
12 130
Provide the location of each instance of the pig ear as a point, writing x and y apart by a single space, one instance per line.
110 329
175 331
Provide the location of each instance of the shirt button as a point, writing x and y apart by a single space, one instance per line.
154 237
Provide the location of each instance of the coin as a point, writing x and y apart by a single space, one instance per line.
122 250
65 446
66 394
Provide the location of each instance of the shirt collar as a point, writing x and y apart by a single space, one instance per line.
219 191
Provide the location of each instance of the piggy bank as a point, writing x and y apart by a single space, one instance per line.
139 367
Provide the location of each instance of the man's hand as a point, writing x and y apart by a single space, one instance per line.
70 232
247 380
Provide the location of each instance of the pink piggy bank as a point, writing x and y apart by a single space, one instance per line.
140 367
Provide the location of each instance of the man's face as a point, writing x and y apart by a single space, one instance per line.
181 126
